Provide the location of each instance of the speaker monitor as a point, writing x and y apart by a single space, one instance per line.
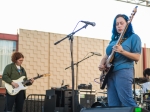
49 103
113 109
61 100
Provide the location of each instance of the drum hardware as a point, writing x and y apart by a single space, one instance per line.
101 100
141 100
99 104
140 80
139 95
147 104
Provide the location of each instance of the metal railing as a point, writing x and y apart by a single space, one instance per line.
34 103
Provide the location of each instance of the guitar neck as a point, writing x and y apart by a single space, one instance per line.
27 81
37 77
122 34
111 57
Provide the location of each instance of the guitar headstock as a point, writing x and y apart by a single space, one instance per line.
132 14
45 75
39 76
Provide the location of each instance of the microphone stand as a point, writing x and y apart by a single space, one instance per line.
70 36
90 94
77 68
60 100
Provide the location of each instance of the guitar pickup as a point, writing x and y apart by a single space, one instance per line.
23 84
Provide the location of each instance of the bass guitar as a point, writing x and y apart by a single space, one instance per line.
22 84
109 62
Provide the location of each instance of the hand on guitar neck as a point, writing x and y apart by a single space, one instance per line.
31 80
118 48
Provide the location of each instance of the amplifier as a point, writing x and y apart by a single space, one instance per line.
50 103
60 100
85 86
86 97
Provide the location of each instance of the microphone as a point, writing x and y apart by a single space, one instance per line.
90 23
95 53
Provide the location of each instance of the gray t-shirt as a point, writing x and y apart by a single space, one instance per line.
131 44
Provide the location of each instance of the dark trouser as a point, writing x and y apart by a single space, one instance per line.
18 99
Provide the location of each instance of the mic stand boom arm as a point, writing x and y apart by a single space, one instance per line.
79 61
70 36
77 68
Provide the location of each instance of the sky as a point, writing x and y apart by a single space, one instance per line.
61 16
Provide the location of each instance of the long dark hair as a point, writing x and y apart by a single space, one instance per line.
128 32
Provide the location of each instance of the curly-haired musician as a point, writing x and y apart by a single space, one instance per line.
12 72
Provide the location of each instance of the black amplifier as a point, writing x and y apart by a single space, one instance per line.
86 97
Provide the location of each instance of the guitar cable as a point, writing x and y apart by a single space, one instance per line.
96 79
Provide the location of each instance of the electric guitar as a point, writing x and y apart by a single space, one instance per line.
22 84
109 62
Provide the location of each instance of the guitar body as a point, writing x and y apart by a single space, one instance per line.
14 91
106 74
22 84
